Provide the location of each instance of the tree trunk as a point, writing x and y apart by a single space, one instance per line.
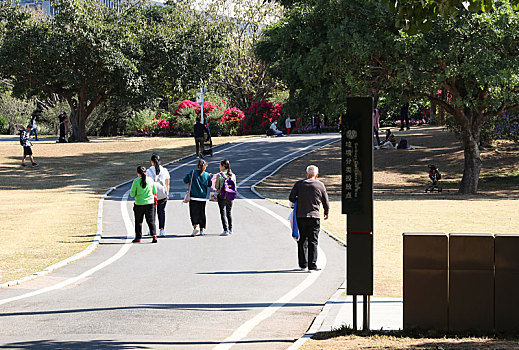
472 168
78 116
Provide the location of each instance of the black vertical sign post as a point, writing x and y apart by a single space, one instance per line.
357 201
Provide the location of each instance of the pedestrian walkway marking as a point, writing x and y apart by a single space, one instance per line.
248 326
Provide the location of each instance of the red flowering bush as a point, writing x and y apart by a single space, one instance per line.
259 117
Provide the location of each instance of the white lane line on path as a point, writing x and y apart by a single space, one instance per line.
120 253
248 326
124 249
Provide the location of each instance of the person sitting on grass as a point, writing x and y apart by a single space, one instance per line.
26 144
389 142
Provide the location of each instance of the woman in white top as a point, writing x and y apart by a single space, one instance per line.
160 176
288 124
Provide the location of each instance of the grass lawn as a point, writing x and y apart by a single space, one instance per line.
401 205
49 212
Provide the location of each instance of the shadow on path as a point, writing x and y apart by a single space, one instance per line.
112 344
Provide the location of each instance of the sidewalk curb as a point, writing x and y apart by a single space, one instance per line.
97 237
319 320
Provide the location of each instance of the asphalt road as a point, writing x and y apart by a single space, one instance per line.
210 292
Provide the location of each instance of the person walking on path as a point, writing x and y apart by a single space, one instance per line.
158 174
404 116
143 191
309 193
26 144
199 131
318 124
288 124
376 124
34 130
200 181
226 187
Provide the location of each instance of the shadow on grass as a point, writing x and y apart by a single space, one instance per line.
94 171
495 341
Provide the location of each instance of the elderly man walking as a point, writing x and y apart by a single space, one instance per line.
309 193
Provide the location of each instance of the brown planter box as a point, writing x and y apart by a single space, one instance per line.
507 283
471 282
425 281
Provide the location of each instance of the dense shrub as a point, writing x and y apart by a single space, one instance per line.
259 117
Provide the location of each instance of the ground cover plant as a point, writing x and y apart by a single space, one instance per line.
69 181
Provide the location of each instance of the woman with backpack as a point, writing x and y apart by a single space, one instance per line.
161 177
143 190
226 187
199 181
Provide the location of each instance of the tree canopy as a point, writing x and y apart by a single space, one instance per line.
88 52
328 50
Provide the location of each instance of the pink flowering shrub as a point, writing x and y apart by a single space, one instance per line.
259 117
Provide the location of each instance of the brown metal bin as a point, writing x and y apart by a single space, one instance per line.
425 281
507 283
471 282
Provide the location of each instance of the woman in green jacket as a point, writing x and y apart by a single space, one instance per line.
143 191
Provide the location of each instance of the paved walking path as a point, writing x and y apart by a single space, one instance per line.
210 292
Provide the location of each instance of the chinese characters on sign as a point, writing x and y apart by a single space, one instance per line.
351 173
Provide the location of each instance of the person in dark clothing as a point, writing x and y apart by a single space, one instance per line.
200 182
404 116
309 194
198 132
318 124
62 127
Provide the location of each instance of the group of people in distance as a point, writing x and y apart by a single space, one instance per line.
390 140
151 191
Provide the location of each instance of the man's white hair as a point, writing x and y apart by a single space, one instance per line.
312 170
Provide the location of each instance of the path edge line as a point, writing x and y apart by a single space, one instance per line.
99 233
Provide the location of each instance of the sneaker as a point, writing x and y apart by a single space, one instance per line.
154 240
23 164
161 233
224 233
194 233
302 269
202 233
377 147
315 269
34 164
136 240
230 231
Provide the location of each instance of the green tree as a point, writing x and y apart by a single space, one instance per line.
326 50
88 53
417 15
475 58
241 76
